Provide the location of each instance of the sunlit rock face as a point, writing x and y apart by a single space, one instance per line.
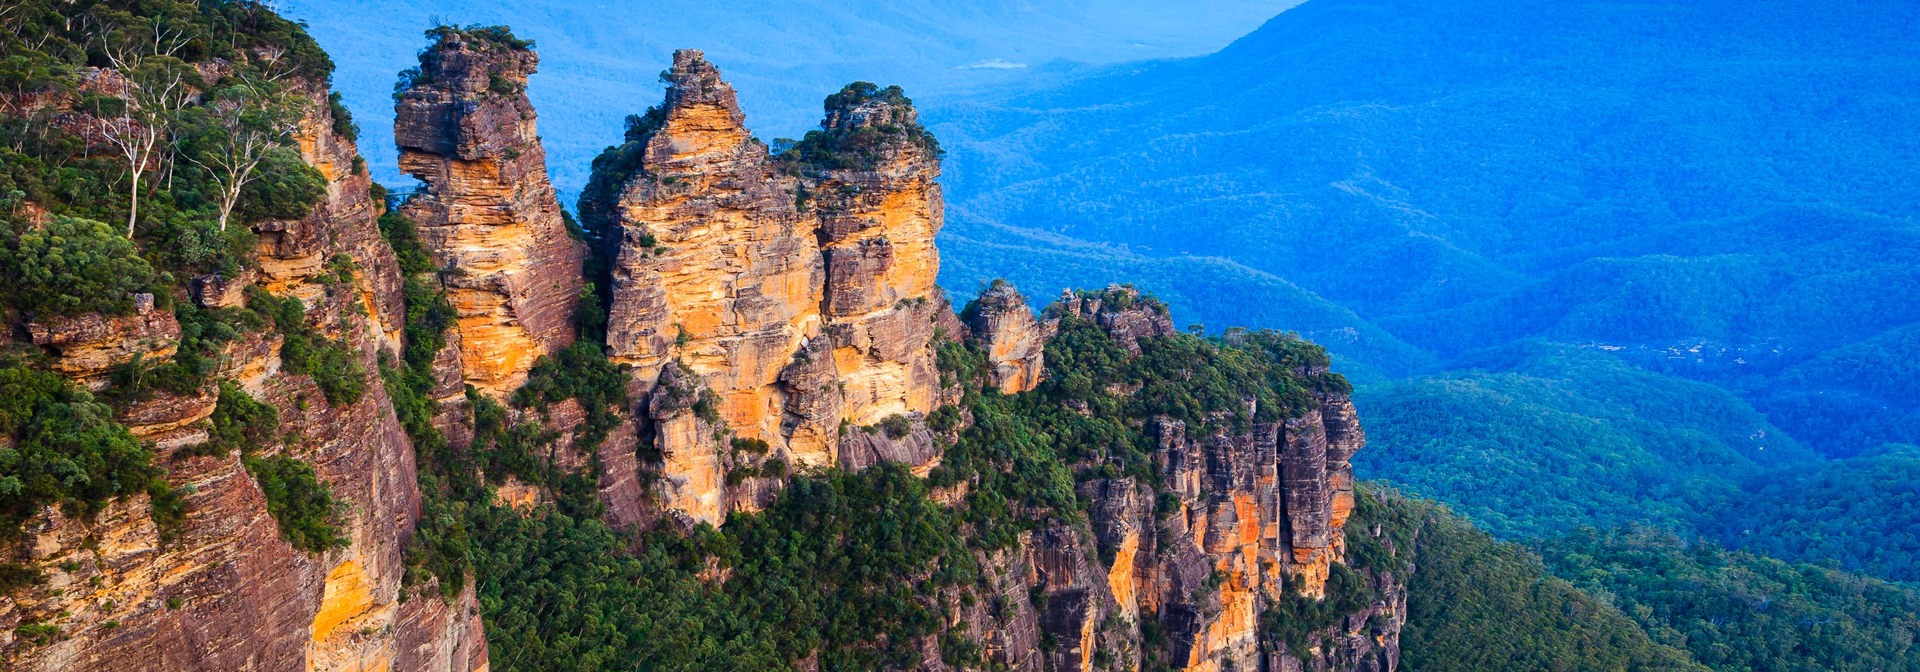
228 592
801 296
1239 519
487 212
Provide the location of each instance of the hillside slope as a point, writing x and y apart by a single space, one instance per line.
1713 188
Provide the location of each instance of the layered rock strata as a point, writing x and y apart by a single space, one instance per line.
1238 521
228 592
88 348
801 297
487 213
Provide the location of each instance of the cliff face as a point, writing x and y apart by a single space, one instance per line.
1238 522
228 592
778 311
488 214
803 301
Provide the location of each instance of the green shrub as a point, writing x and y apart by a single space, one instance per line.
240 422
308 516
343 124
896 426
285 187
335 367
72 266
64 448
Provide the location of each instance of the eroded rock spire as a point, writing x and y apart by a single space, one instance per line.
798 288
466 129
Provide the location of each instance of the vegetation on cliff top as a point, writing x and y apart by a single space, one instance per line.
174 120
872 124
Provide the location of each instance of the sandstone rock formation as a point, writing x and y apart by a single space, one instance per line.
229 593
1119 310
1015 342
88 348
488 213
1256 515
801 296
779 311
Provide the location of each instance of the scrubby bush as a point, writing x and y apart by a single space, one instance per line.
71 266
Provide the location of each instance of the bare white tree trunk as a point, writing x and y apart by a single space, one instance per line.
244 146
147 111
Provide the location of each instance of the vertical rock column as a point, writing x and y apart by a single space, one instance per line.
798 290
715 267
879 208
716 275
488 215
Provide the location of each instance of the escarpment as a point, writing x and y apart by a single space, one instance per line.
487 213
800 294
1232 524
223 588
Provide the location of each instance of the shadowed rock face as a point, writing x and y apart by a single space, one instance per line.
229 593
802 298
466 129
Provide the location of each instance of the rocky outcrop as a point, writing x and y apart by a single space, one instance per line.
1240 520
228 592
1120 311
89 348
715 267
488 213
878 206
1014 341
802 297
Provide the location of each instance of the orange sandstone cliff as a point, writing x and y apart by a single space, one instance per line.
801 298
227 591
488 215
778 311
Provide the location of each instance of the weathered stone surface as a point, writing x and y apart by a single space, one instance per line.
692 474
877 218
88 348
1003 618
913 445
1120 311
805 301
219 291
1015 342
488 212
229 593
1251 514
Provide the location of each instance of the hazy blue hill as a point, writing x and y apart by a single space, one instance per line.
1862 513
1717 189
1536 440
600 60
